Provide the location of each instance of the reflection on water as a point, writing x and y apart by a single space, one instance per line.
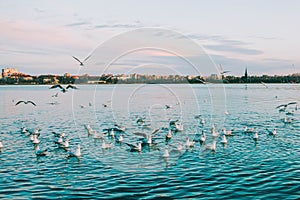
268 168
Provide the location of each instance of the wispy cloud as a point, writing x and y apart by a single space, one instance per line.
233 48
119 25
82 23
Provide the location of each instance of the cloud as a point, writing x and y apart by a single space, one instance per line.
233 48
77 24
119 25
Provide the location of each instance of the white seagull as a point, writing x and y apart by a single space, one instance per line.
77 152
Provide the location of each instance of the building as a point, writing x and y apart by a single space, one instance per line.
7 72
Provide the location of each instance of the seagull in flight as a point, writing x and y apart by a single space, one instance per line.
82 62
62 88
221 70
25 102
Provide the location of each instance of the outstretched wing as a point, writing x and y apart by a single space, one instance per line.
291 103
87 58
72 86
131 145
282 105
19 102
56 86
31 103
77 59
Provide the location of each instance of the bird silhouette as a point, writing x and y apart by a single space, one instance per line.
25 102
81 62
62 88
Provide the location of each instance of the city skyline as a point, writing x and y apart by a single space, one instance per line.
41 37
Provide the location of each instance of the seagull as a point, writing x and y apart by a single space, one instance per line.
77 152
189 143
166 152
255 137
221 70
211 147
224 140
1 145
25 102
272 132
169 135
35 139
167 106
62 88
55 95
24 130
227 133
82 62
40 152
106 146
282 107
65 144
203 137
137 147
59 141
147 137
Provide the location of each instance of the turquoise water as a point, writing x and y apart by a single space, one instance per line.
243 169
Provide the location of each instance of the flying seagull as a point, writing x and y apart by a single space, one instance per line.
25 102
81 62
221 70
62 88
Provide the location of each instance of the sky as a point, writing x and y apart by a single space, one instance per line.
165 37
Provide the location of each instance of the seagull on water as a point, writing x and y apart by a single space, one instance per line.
77 152
147 137
166 152
137 147
274 132
224 140
24 130
105 145
1 145
40 152
211 147
203 137
255 137
189 143
82 62
26 102
35 139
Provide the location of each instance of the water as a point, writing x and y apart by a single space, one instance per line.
243 169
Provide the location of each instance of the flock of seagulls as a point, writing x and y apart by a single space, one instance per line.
163 139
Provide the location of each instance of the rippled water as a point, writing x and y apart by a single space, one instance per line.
243 169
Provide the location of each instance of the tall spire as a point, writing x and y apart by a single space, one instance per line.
246 73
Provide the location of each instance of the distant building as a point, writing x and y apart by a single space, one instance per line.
7 72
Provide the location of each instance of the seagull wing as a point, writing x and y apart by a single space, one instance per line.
31 103
71 86
87 58
131 145
77 59
20 102
56 86
291 103
282 105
